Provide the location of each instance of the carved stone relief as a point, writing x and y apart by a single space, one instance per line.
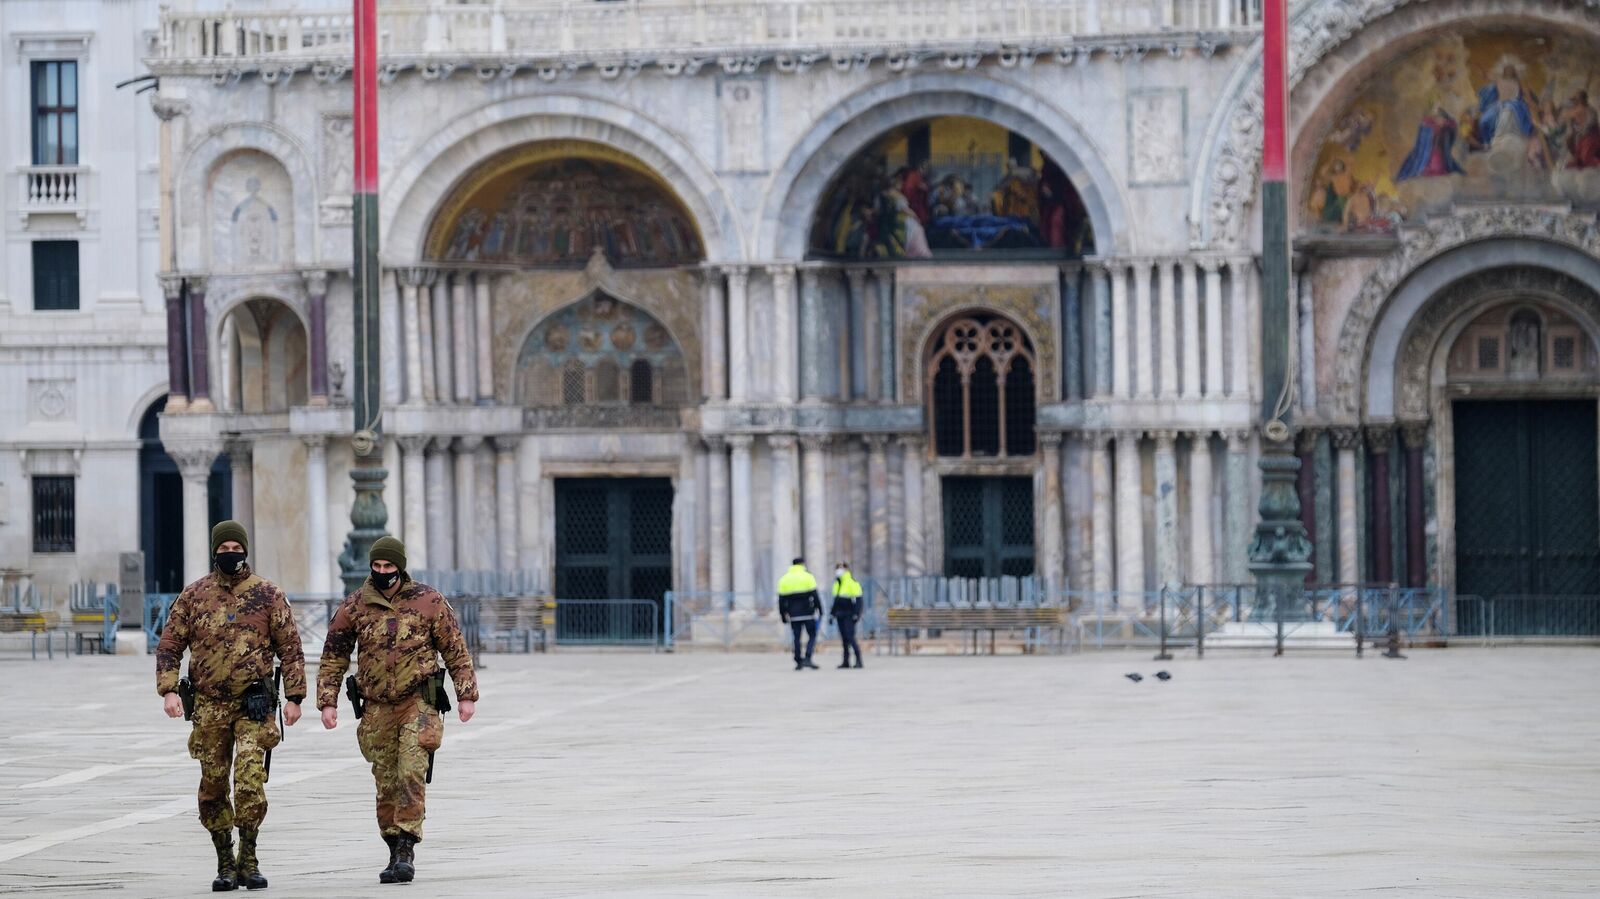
1157 124
252 214
51 400
741 124
337 167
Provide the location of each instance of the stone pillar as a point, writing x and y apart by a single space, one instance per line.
860 518
1415 435
1051 537
425 339
319 562
1345 441
241 462
1242 319
1072 364
1099 324
1306 489
199 349
506 492
1168 323
1144 369
1214 339
814 356
741 539
786 541
410 280
194 467
1129 504
317 340
878 504
389 337
1307 362
738 334
485 347
1240 487
414 498
897 510
468 534
1202 564
785 338
1378 440
916 561
1100 507
814 490
859 339
1121 342
1169 559
714 352
1191 330
461 337
441 508
177 343
883 279
443 341
718 533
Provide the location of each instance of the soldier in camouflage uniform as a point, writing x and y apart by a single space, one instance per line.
233 623
398 628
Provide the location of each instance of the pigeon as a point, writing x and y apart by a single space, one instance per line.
1133 677
1162 675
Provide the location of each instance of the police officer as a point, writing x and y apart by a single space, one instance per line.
800 608
398 628
233 623
846 611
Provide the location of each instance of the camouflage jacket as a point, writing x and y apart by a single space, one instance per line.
397 645
232 627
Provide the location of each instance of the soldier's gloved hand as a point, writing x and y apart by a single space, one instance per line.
466 708
330 717
291 713
172 704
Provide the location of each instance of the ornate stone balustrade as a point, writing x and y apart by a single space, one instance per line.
682 35
52 189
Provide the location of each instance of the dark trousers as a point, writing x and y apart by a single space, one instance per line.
847 636
810 629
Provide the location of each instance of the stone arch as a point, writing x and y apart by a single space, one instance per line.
972 358
199 166
927 308
798 185
269 368
606 337
1334 44
423 180
152 395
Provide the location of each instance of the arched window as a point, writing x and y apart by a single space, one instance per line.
572 386
606 375
981 389
601 351
640 383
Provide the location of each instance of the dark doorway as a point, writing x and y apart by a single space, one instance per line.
613 542
161 505
988 527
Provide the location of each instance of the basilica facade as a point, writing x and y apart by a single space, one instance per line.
670 298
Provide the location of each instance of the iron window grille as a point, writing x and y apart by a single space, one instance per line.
981 389
55 275
54 514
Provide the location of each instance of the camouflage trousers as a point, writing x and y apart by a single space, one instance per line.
226 743
396 738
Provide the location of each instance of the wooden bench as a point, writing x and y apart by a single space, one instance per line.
974 619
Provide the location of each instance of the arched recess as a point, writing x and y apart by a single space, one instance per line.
601 351
422 183
981 384
798 186
267 368
193 212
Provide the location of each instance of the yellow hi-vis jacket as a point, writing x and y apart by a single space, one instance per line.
797 595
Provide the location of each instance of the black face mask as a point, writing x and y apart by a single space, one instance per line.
384 581
229 563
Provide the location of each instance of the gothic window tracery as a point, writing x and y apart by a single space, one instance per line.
601 352
982 395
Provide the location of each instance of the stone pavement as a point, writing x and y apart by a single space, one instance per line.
1460 772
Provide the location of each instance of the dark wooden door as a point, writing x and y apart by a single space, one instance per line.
988 527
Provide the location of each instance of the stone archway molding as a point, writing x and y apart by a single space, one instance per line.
202 158
421 182
797 186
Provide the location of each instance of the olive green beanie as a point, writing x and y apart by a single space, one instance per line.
228 530
388 549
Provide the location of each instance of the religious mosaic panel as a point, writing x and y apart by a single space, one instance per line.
601 351
558 203
252 209
1466 118
948 188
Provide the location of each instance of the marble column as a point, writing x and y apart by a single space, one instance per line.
199 348
897 509
858 502
738 333
441 505
814 492
1242 319
414 498
714 353
177 344
1144 329
860 337
877 504
1345 442
813 354
718 534
317 340
1169 557
1098 323
242 465
194 467
1202 563
461 336
485 344
1307 362
1130 522
916 561
743 544
1379 438
411 279
425 339
1072 364
1214 341
883 279
388 337
319 562
1121 342
786 540
1190 286
1306 489
1168 323
468 536
1415 436
443 341
1240 487
1051 537
1101 501
785 337
505 488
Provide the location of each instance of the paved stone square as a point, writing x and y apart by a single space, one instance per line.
1460 772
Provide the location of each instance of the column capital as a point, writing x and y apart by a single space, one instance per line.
410 444
737 274
1128 436
314 441
1379 438
740 442
1239 263
1346 437
1050 440
1200 441
468 443
1071 269
1238 439
1305 440
1098 440
1211 265
197 284
1414 433
168 108
715 443
239 451
440 444
1164 439
875 442
194 459
812 443
916 442
506 443
171 285
316 280
783 271
417 276
781 441
857 277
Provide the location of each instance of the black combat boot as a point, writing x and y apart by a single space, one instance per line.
248 869
227 877
404 860
387 874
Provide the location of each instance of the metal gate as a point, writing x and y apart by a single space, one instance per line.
988 527
613 542
1527 513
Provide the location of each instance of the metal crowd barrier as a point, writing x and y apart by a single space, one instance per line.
609 622
1515 618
